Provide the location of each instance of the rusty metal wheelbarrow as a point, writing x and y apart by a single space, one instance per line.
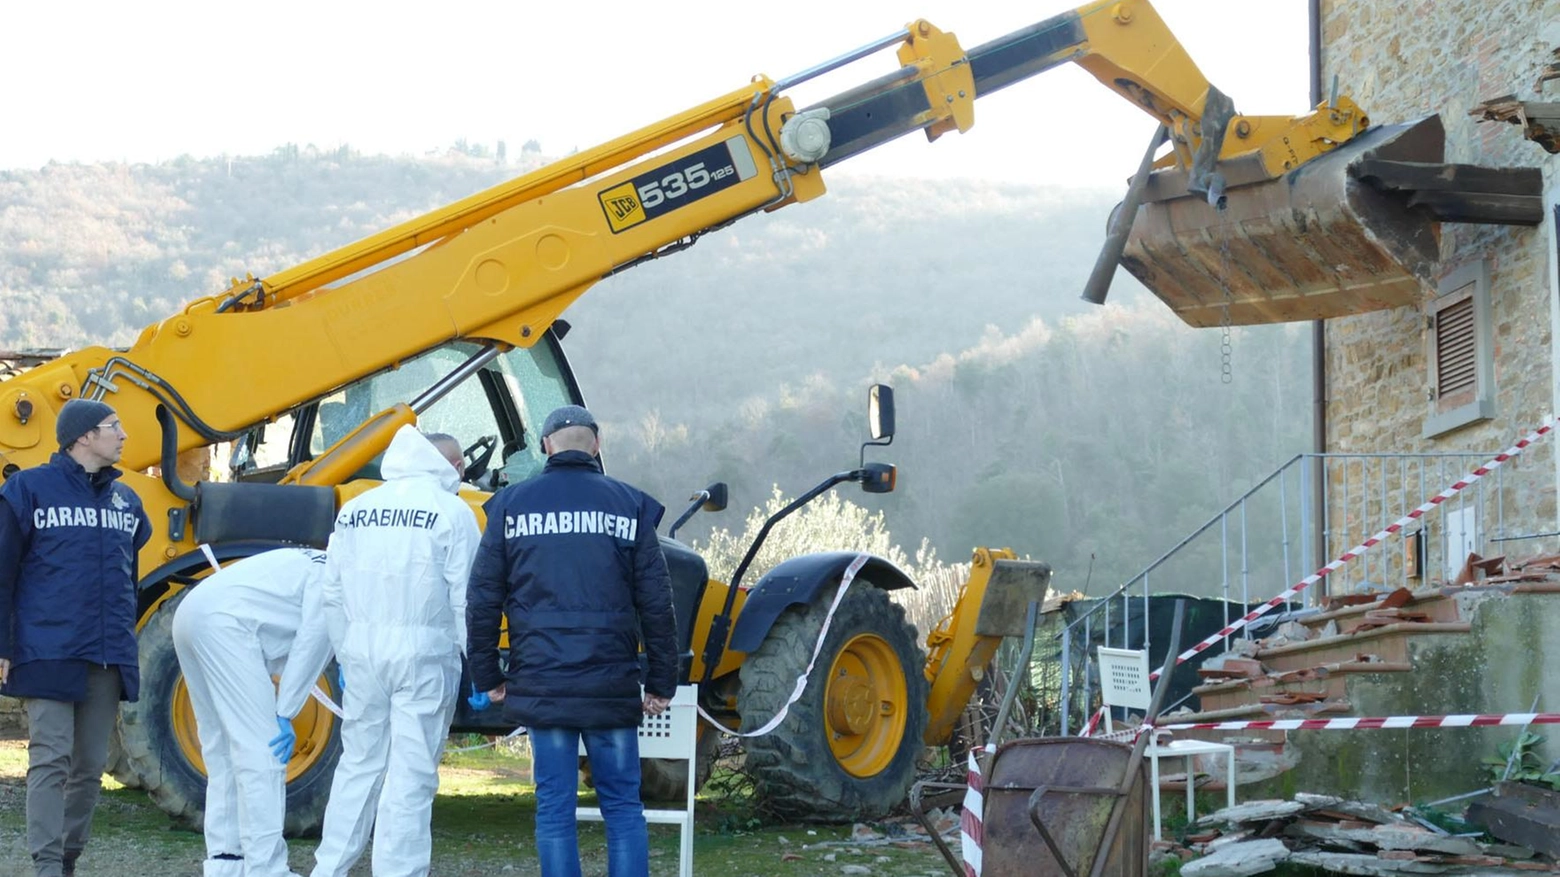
1062 805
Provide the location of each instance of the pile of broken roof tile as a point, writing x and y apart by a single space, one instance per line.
1478 570
1337 835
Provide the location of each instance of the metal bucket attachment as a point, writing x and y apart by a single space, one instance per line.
1314 244
1014 584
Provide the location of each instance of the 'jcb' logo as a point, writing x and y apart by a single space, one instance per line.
622 206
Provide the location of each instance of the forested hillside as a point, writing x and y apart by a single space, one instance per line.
1027 418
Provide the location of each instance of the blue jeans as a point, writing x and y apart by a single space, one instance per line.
614 769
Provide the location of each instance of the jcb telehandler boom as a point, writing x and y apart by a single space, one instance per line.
452 320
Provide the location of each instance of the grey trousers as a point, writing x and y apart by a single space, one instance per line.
66 751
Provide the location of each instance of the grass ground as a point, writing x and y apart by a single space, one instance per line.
482 822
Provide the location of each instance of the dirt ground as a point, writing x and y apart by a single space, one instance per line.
482 825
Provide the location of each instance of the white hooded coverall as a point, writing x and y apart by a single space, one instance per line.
395 587
232 633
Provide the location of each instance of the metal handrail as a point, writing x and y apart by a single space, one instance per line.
1239 505
1184 542
1341 498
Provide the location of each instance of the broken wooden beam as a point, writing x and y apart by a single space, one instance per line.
1540 121
1521 814
1433 177
1481 208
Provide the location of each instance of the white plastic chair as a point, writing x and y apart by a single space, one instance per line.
674 734
1124 682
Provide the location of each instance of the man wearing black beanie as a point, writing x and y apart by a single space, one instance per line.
69 535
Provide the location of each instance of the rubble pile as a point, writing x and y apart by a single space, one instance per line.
1340 836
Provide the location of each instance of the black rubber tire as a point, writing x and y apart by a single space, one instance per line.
796 774
177 785
665 779
662 779
118 764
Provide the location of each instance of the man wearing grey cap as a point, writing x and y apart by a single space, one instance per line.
69 535
572 558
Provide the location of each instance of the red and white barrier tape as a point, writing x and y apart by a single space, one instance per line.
1462 484
325 701
972 834
1094 722
801 681
1359 723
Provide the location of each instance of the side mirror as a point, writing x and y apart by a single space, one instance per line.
880 411
716 499
879 477
710 499
880 420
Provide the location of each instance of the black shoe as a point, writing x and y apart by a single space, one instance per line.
69 867
69 863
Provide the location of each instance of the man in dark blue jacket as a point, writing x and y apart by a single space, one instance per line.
69 534
571 557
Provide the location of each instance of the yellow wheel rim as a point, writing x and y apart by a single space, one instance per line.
313 725
865 708
184 726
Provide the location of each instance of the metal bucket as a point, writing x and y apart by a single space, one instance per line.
1314 244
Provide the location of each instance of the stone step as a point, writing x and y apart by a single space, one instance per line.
1441 607
1266 746
1255 738
1389 643
1257 712
1329 680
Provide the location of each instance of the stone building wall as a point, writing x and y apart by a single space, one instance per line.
1402 62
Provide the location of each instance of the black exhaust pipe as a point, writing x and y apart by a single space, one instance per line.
170 456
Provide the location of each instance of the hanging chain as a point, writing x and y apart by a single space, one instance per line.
1226 347
1226 373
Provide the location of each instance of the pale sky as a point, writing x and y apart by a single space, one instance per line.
144 82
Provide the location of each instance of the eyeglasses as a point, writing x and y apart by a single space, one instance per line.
114 425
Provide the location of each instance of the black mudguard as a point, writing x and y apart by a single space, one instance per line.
796 582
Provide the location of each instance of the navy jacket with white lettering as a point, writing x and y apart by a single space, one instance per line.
68 543
571 557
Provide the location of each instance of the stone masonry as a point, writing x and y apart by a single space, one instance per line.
1400 63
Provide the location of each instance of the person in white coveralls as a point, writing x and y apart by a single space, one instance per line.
232 633
395 611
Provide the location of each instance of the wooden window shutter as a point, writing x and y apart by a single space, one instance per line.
1459 351
1456 352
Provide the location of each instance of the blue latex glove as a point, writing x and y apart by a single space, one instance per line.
478 700
341 681
282 744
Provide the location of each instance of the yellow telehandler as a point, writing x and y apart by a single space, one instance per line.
452 320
